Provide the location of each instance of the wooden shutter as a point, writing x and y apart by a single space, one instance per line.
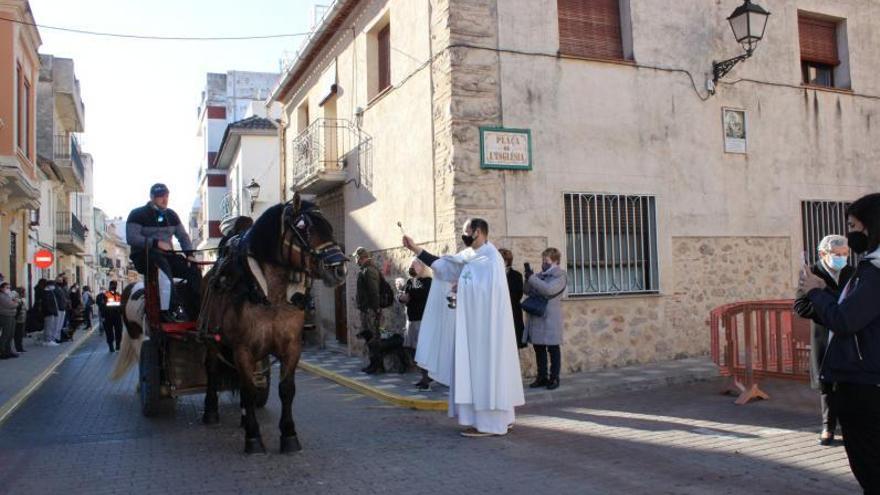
590 28
384 40
818 38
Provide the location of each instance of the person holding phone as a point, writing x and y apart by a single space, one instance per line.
831 267
545 332
851 367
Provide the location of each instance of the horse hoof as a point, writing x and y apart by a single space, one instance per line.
254 446
211 418
290 445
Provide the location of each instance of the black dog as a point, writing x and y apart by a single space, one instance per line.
379 348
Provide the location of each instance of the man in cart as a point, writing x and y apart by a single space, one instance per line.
149 231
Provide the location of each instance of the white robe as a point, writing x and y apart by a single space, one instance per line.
434 351
486 378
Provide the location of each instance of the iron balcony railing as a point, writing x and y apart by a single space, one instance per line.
67 148
67 223
330 145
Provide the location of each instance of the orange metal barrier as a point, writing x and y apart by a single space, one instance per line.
759 339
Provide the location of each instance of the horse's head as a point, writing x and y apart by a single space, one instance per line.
308 243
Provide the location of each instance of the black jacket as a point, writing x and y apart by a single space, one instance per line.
853 354
147 226
367 296
515 285
804 308
418 297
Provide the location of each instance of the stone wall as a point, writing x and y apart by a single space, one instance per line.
712 271
707 272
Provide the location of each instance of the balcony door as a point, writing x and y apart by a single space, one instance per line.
330 136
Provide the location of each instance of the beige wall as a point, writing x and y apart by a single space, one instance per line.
613 128
728 225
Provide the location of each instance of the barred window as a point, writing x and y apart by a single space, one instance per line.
611 244
821 218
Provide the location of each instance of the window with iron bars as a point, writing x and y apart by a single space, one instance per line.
819 219
611 244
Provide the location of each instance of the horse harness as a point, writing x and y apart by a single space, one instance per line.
237 271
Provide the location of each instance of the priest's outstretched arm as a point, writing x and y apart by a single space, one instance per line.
445 268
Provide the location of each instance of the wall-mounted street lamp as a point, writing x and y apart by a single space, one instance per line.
748 23
253 190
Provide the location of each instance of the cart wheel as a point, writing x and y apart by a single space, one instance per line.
150 379
263 393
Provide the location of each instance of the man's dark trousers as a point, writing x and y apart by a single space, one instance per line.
112 325
174 266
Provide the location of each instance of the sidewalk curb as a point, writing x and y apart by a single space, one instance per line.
18 399
397 400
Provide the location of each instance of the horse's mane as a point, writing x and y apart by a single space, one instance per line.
264 237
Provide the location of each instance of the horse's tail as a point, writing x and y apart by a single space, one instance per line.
129 354
133 336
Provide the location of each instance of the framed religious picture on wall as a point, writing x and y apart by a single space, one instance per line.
735 127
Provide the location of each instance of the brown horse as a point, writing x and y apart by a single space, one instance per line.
286 247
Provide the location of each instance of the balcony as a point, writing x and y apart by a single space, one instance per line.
320 155
68 159
70 233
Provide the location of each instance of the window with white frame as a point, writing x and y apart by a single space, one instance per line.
819 219
611 244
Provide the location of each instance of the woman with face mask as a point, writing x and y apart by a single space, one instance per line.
831 267
545 332
851 368
414 295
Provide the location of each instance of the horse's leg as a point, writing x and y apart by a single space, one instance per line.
253 442
286 391
211 415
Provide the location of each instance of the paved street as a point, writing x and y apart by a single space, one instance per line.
81 434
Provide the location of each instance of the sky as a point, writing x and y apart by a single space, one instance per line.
141 97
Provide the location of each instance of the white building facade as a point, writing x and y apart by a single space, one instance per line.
226 99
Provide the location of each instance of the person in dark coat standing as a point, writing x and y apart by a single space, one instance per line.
414 295
832 267
515 286
852 362
20 320
110 311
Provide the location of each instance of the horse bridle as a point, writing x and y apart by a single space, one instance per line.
329 253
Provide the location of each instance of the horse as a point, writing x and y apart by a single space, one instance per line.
286 247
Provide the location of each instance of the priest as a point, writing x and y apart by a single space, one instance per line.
485 382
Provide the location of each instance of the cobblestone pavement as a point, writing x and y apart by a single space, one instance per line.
81 434
578 385
17 374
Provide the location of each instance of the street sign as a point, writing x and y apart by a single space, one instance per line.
44 258
509 149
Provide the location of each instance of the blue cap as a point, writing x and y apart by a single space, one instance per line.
158 189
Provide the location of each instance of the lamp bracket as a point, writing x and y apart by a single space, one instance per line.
720 69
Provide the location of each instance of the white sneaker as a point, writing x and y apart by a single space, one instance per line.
52 343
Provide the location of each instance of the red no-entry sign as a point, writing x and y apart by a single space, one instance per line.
44 258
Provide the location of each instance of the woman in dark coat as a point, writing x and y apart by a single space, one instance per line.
833 269
515 286
414 294
852 362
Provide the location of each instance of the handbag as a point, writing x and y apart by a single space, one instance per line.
536 304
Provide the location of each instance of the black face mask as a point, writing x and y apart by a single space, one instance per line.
468 240
857 241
